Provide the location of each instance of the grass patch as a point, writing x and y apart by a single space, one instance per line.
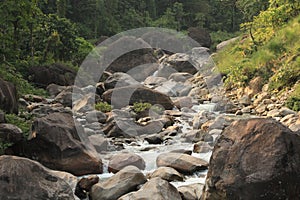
277 61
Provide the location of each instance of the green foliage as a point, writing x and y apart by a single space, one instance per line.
24 122
83 49
103 107
293 101
276 61
3 146
9 73
140 107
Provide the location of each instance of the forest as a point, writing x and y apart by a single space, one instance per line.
63 30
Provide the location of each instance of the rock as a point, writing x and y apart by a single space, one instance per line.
245 100
202 147
10 133
141 72
132 57
225 43
286 111
124 96
173 89
261 108
200 35
55 73
183 163
129 128
193 135
254 159
119 161
274 113
180 76
84 186
56 143
167 173
185 151
155 188
154 81
84 104
165 71
34 98
119 79
2 117
8 97
123 182
100 143
54 89
96 116
154 139
261 96
181 62
184 102
191 192
22 178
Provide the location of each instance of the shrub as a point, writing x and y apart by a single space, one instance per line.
103 107
22 123
140 107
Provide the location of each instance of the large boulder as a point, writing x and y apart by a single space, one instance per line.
8 97
191 192
119 79
10 133
22 178
254 159
119 161
174 89
183 163
181 62
201 36
124 96
137 52
155 188
123 182
55 142
56 73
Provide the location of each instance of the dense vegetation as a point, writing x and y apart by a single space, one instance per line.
41 32
270 50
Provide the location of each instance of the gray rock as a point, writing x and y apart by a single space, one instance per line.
96 116
155 188
22 178
122 160
123 182
181 162
167 173
191 192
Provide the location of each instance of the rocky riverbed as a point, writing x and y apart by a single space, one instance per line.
193 136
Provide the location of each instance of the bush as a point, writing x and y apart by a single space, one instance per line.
140 107
22 123
103 107
293 101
